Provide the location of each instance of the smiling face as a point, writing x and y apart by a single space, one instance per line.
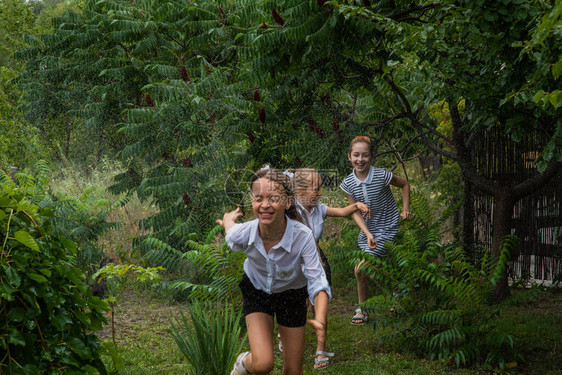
269 202
360 158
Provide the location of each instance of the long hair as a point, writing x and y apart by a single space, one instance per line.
276 175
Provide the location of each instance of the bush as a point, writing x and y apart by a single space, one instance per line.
48 312
440 298
211 342
207 271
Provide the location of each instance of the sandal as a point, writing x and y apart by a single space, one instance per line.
238 366
361 316
322 363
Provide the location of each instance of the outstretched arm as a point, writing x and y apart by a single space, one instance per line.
229 219
348 210
361 224
402 183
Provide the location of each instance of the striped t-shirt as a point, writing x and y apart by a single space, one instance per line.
375 192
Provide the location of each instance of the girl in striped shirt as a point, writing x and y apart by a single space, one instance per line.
371 186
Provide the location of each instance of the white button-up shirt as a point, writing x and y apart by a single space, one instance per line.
291 264
315 218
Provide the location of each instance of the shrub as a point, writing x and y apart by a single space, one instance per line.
210 273
47 312
440 298
207 270
211 342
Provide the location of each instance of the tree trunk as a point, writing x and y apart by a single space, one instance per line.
503 210
467 220
429 164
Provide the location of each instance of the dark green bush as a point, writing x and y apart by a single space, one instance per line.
439 297
47 312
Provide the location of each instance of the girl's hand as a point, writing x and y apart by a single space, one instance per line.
229 218
406 215
366 210
371 241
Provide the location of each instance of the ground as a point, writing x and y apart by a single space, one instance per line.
142 323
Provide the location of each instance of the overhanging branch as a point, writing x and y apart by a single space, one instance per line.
528 186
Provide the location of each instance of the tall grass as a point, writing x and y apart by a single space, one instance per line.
211 340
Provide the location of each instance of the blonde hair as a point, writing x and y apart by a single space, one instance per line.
304 177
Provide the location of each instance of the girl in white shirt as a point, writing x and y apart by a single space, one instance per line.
282 267
308 189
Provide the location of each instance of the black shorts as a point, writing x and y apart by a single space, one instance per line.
289 307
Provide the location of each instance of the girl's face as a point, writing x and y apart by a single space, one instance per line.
309 193
269 201
360 157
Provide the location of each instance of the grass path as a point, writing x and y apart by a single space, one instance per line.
142 321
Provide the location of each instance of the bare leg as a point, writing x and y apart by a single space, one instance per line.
320 324
260 332
293 349
362 284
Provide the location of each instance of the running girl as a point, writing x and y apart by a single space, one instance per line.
371 186
281 268
308 189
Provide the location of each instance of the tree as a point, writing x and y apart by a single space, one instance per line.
419 54
16 19
19 144
474 55
203 89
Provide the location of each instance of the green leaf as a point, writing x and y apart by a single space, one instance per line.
539 95
45 272
557 69
109 349
84 318
16 314
60 321
37 277
6 291
16 338
7 202
13 276
27 207
68 244
98 304
554 98
26 239
78 347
